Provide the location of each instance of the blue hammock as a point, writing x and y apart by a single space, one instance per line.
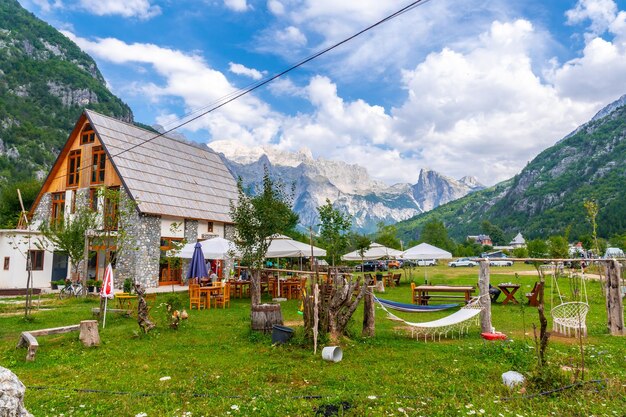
412 308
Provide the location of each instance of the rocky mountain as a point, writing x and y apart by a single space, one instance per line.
547 196
348 186
45 83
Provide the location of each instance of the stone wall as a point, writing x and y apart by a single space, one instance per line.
229 264
43 210
139 237
191 236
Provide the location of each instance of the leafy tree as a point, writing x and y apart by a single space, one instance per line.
520 252
257 218
558 247
436 234
10 208
495 233
387 236
334 226
68 236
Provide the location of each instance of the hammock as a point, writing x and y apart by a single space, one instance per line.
570 317
412 308
459 321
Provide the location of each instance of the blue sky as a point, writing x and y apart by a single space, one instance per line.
462 87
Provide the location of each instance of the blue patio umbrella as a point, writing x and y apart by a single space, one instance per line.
197 266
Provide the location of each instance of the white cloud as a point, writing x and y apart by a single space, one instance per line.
47 6
283 86
141 9
276 7
240 69
236 5
190 78
600 12
483 112
290 36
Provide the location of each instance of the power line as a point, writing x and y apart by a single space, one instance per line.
228 98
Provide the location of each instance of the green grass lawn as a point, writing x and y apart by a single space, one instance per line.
218 366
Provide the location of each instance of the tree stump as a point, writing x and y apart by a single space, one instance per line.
264 316
89 333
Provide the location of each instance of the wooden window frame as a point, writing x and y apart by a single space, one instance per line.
73 168
7 262
93 199
57 209
37 259
98 165
209 227
88 135
111 210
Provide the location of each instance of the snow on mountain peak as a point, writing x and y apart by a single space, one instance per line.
243 154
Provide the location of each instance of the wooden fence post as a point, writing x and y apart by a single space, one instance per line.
614 304
369 317
485 300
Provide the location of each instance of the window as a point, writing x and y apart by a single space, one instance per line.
210 227
98 164
93 199
88 135
7 261
58 207
36 259
111 204
73 168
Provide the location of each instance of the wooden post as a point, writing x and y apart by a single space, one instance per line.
89 333
369 316
485 300
614 304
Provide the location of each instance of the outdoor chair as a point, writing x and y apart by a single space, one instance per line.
223 297
194 297
532 296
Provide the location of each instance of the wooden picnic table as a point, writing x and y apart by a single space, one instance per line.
509 291
424 293
125 300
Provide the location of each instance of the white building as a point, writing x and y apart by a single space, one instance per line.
15 244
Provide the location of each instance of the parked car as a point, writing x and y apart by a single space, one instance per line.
393 264
371 266
462 262
426 262
500 262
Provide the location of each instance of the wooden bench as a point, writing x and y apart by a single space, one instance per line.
532 295
88 335
425 293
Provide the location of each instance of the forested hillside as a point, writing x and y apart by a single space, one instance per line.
45 83
547 196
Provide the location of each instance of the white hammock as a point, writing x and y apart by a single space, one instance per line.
459 321
570 317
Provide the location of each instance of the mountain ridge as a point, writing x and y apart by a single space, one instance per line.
348 186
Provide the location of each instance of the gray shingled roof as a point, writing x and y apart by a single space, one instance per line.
167 176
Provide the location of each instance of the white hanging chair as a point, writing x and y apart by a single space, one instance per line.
569 318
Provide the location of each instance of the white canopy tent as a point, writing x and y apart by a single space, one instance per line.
285 247
376 251
426 251
216 248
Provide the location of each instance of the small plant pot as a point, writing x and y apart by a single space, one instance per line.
91 288
54 286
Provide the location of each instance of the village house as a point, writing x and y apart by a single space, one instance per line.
181 191
483 240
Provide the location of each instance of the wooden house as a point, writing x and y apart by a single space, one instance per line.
179 190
